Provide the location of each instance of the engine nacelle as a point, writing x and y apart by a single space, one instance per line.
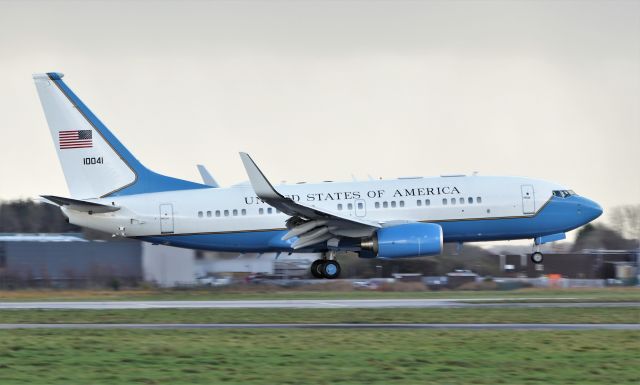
406 240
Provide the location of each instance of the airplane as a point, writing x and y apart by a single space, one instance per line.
112 191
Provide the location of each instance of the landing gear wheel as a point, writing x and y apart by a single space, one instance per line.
537 257
316 270
330 269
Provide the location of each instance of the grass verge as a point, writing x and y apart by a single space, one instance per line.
318 291
318 357
400 315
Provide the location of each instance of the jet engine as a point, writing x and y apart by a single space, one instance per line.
405 240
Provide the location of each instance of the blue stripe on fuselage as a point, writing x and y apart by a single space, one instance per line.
246 241
558 216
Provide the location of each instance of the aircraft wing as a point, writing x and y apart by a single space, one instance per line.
310 224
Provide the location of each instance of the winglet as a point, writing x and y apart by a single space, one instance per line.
260 183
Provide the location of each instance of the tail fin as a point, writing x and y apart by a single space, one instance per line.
94 162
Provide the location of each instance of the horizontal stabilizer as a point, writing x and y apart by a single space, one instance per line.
206 176
80 205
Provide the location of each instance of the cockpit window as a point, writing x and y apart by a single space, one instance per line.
563 193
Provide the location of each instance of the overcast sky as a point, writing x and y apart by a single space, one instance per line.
322 90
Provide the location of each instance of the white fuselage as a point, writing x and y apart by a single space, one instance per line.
236 209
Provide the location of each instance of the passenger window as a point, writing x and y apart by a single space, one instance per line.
444 201
360 205
470 200
419 202
478 200
226 213
217 213
199 214
401 203
261 211
244 212
427 202
350 206
235 212
461 201
453 201
385 204
339 206
393 203
209 214
269 210
377 205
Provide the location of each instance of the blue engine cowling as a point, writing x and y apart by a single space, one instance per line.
406 240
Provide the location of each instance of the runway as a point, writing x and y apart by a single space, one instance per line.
314 304
329 326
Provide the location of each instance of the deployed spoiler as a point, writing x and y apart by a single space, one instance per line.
80 205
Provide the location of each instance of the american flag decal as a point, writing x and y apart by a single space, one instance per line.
75 139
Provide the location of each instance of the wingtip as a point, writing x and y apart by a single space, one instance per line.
48 75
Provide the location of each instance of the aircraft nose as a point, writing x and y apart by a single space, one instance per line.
590 209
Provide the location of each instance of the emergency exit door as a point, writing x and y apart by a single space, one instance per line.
166 218
528 199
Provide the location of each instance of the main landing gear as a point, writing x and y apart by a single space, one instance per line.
325 268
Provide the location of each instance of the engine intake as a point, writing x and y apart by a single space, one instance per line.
406 240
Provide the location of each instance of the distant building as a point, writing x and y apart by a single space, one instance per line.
588 264
66 260
458 278
286 265
168 266
69 260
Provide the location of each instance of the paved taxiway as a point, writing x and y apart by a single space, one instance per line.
313 304
330 326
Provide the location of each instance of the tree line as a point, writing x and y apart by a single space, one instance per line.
27 216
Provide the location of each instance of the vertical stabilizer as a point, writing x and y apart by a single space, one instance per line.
94 162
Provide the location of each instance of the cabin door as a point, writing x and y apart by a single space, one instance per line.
528 199
166 218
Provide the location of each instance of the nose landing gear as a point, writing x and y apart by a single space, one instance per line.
325 268
537 257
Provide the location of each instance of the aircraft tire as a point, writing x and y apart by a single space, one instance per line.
537 257
316 268
330 269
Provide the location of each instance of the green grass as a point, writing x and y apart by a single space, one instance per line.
318 357
401 315
321 291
